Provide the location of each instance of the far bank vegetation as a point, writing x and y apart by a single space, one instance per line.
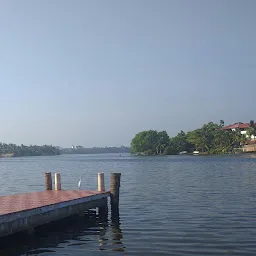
209 139
13 150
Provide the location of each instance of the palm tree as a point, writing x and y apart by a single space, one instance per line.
250 132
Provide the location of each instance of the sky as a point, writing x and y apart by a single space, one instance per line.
95 73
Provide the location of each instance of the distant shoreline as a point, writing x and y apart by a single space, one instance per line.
13 150
95 150
11 155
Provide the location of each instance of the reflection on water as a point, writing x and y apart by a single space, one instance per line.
75 231
114 241
117 235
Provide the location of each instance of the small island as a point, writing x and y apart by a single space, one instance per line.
211 138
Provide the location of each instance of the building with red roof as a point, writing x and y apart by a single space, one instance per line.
242 127
237 126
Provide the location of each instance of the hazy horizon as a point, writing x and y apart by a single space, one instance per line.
94 73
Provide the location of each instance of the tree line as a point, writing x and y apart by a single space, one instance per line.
209 139
95 150
13 150
23 150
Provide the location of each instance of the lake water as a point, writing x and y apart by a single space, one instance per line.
169 205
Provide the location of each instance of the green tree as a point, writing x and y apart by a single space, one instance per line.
196 139
150 142
178 144
145 141
163 142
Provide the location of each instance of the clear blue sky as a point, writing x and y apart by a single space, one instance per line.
97 72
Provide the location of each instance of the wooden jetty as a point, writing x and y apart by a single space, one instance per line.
24 212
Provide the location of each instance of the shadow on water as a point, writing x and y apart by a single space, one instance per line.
72 231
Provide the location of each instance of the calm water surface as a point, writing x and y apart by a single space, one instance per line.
171 205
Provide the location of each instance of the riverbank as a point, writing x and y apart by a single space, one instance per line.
237 154
211 138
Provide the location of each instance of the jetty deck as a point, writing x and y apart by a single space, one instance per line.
18 203
23 212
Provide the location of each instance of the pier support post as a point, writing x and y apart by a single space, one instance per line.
103 209
114 194
48 181
57 181
101 183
